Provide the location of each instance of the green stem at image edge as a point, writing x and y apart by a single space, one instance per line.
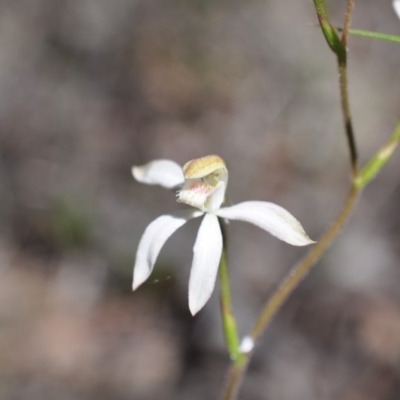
360 178
228 319
274 303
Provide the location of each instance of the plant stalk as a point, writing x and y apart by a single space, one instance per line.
228 319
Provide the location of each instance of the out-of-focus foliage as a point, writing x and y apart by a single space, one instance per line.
71 226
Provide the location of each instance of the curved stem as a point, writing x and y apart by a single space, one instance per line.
303 268
368 34
236 373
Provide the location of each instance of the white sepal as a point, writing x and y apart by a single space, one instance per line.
396 6
165 173
153 239
207 254
270 217
216 198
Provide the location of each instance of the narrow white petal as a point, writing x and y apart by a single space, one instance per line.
153 239
207 254
216 198
396 6
270 217
165 173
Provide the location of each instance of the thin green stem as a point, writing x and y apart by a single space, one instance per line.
303 268
378 160
228 319
328 30
344 91
348 125
374 35
234 379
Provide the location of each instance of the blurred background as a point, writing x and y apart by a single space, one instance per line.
89 88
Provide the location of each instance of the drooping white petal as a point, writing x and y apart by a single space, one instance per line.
396 6
207 254
153 239
270 217
165 173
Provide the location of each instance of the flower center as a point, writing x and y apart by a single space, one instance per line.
205 183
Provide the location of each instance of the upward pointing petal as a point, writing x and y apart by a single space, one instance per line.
165 173
270 217
153 239
207 254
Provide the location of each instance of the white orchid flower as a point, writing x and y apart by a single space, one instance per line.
396 6
202 184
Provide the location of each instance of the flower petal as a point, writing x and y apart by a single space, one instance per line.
165 173
207 254
216 198
153 239
396 6
270 217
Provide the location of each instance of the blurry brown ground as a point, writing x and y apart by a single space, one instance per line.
90 87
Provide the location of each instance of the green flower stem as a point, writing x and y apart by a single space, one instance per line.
348 125
374 35
303 268
378 160
228 319
339 48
